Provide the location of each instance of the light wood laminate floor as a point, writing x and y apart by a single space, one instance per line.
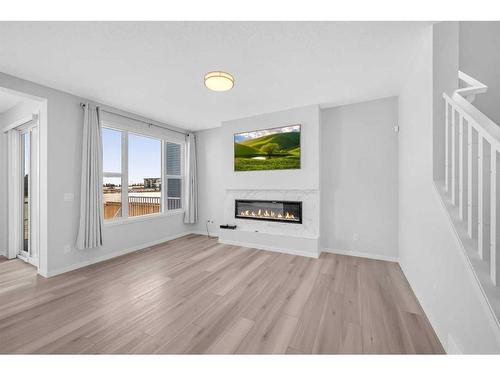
193 295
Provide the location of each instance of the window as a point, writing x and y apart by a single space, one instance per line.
112 173
144 175
142 163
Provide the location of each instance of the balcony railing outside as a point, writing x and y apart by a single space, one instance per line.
138 206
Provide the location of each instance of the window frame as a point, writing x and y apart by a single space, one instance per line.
123 174
164 211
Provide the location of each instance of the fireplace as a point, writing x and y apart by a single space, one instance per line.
281 211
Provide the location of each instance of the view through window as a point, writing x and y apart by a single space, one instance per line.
139 166
144 175
112 173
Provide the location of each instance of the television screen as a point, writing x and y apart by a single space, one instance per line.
268 149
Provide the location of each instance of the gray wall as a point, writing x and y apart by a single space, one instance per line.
65 119
210 180
359 154
480 58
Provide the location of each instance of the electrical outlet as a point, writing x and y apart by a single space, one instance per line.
355 236
69 197
67 249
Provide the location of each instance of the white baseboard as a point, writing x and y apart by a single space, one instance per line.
361 254
269 248
202 233
115 254
452 347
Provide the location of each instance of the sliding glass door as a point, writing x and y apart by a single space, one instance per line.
28 194
25 193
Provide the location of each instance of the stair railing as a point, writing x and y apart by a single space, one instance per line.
472 146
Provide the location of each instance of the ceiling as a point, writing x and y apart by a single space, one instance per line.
156 69
7 101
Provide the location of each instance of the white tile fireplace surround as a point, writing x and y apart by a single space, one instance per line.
292 238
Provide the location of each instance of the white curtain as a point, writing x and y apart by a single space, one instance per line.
91 209
191 213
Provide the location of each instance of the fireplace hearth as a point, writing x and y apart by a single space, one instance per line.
278 211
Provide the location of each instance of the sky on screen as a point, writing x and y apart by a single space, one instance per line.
260 133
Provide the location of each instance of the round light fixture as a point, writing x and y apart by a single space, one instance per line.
219 81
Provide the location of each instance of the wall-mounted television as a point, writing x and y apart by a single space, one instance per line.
267 149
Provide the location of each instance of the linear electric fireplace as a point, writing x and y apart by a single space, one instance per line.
283 211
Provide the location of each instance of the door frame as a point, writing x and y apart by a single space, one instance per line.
32 94
28 124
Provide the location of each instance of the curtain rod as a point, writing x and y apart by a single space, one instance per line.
139 120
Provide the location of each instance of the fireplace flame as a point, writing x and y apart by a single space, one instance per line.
268 214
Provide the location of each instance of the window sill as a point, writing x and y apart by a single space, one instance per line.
138 219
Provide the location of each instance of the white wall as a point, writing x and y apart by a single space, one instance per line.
429 250
359 202
65 119
445 79
480 58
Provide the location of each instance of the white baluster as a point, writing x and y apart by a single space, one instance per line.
495 276
484 208
471 182
480 196
461 168
446 148
453 158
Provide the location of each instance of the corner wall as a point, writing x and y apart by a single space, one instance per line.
430 252
346 143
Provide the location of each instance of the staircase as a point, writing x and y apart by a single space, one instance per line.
471 189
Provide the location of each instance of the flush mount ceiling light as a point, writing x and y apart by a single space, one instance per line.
219 81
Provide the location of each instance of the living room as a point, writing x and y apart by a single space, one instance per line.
325 187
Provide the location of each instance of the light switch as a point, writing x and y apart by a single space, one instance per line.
69 197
